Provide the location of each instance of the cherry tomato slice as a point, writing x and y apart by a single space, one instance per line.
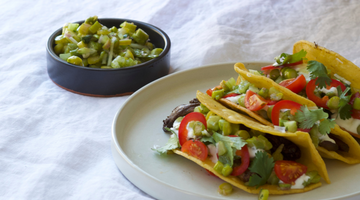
231 95
245 161
271 102
209 92
288 171
296 85
321 102
196 149
193 116
283 104
254 101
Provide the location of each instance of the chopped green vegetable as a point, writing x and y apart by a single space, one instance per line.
285 58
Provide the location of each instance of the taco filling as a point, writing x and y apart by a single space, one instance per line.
250 157
284 115
324 87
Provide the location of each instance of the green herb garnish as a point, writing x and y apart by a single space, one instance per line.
285 58
344 106
307 119
262 166
319 71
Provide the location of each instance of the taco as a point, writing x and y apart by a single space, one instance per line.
324 77
242 151
331 141
265 100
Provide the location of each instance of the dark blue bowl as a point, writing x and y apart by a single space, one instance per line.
110 82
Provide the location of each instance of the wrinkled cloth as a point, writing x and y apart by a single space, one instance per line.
55 144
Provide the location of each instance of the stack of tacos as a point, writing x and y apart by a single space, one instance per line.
267 119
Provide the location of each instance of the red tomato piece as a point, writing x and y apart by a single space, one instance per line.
288 171
321 102
271 102
193 116
231 95
254 101
196 149
294 84
245 161
284 104
355 114
209 92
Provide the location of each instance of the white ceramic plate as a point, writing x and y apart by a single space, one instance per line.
137 127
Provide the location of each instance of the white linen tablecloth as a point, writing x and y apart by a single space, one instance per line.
55 144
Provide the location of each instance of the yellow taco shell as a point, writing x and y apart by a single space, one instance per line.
273 189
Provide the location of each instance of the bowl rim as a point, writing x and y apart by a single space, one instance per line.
165 52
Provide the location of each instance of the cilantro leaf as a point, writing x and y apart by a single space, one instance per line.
307 118
345 111
231 144
319 71
172 143
285 58
205 139
345 108
326 125
262 166
236 142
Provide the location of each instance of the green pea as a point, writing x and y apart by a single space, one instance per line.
333 102
274 74
356 104
226 171
225 188
289 73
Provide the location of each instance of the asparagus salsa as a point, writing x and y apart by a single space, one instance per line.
94 45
